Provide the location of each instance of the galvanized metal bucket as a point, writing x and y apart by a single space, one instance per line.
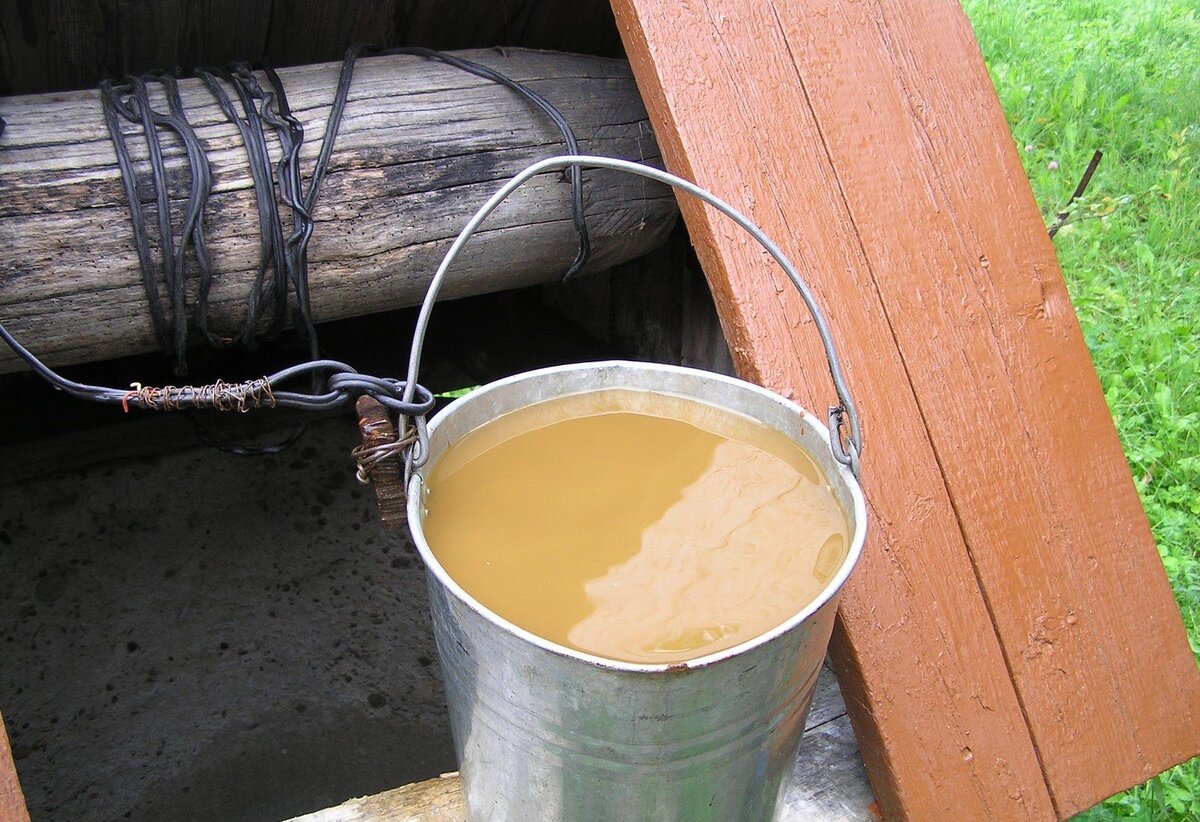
545 732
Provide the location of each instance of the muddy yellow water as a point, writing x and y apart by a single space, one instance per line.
634 527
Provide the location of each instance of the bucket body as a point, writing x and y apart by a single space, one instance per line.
549 733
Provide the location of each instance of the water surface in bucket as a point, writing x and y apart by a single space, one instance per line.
634 526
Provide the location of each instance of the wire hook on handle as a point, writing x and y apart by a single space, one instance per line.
847 453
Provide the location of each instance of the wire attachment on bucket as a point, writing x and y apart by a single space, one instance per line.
369 457
846 452
846 416
380 458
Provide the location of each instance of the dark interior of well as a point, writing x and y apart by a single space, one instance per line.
192 634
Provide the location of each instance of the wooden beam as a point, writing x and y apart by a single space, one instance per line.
421 146
12 801
992 641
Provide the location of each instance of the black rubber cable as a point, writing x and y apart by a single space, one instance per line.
111 105
574 173
332 383
342 384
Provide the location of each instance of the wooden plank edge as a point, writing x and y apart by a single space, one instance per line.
12 800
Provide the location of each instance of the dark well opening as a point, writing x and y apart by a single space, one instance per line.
192 635
186 634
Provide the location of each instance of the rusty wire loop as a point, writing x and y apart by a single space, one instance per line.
368 457
220 396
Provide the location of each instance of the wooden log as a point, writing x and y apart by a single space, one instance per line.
381 468
421 146
992 642
12 800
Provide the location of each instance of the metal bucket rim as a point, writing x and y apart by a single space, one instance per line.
858 524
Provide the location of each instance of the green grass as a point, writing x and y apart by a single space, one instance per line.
1123 76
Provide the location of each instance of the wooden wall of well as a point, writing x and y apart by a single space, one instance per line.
66 44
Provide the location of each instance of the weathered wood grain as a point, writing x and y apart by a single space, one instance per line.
827 785
12 800
421 146
992 641
434 800
377 431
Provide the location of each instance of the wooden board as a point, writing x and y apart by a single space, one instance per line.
828 784
12 801
992 643
421 146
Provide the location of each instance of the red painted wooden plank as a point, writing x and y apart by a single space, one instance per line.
1021 429
938 720
1010 576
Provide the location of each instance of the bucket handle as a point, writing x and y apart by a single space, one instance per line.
847 451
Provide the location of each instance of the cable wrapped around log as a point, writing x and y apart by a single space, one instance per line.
420 147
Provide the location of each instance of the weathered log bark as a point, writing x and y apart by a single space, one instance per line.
421 146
